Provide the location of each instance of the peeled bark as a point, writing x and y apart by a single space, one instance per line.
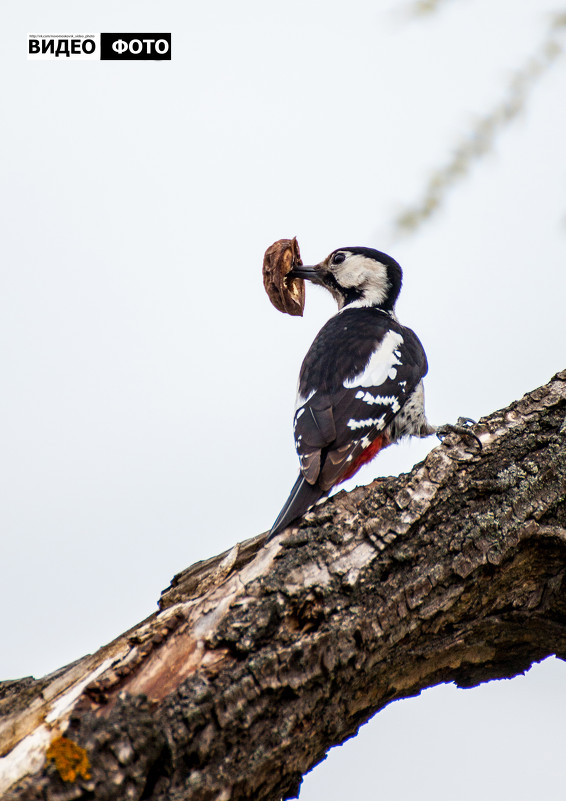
261 659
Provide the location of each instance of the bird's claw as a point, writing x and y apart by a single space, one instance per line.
462 427
465 421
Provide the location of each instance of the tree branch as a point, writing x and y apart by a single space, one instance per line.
484 132
260 659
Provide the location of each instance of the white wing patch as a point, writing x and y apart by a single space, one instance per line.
378 422
383 400
381 364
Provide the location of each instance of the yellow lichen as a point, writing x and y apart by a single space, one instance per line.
70 759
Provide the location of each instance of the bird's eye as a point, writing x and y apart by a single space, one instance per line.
338 258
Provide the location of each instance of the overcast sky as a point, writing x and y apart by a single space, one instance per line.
148 384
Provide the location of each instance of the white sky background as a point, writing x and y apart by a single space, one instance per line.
148 384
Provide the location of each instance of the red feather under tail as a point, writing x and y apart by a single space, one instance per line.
365 456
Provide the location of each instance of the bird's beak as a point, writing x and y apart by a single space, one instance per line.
314 274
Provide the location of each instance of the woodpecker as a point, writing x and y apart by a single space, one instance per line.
361 382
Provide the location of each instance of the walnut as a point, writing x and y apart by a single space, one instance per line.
286 294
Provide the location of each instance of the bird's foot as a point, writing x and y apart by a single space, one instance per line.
462 427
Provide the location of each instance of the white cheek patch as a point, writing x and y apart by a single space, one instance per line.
371 422
365 274
383 400
381 364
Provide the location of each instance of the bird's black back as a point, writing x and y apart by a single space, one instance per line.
344 345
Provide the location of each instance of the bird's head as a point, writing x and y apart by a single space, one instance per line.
356 274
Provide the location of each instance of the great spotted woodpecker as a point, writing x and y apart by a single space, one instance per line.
360 385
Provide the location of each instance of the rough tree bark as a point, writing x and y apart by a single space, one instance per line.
262 658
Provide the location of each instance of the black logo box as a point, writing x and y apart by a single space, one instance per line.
145 47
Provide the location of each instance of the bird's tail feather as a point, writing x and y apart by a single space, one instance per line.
302 497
